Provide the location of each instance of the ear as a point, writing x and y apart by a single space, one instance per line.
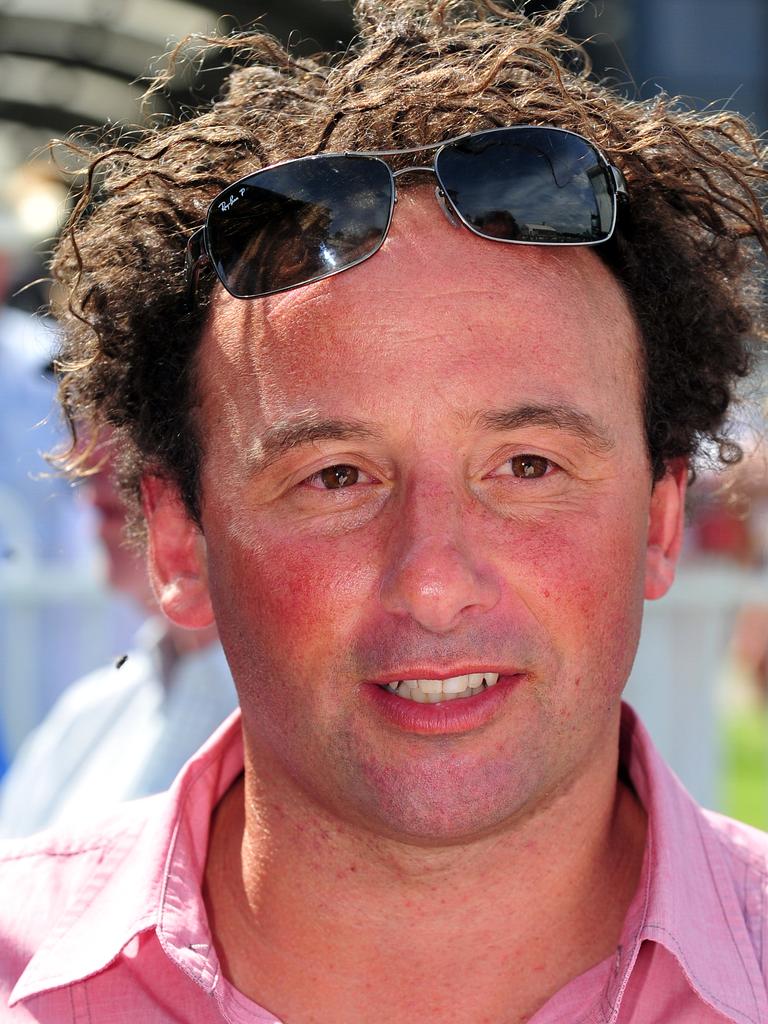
665 529
176 555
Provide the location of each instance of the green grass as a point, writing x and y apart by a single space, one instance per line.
745 762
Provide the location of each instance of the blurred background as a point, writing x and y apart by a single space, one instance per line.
701 679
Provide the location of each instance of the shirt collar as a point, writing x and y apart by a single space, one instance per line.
147 874
690 904
149 854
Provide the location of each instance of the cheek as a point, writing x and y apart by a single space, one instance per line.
590 576
582 579
293 592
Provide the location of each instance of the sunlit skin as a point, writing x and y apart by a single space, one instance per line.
497 511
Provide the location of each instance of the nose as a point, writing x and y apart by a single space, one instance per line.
435 574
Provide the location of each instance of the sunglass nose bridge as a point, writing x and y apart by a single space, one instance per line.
439 194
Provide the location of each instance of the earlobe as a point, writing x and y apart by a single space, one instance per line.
665 529
176 555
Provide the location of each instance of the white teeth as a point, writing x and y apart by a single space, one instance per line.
434 691
431 685
457 684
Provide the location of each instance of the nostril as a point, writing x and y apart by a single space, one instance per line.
440 196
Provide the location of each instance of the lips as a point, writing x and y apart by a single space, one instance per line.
436 691
416 705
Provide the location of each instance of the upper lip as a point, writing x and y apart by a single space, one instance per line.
441 672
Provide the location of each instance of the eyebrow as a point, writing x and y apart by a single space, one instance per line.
306 429
280 438
561 417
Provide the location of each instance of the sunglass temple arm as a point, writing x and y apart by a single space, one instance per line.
619 181
195 260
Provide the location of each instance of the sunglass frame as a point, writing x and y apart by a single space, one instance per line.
198 254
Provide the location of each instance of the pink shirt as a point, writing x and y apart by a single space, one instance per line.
109 927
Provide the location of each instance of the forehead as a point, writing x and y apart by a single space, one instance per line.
436 309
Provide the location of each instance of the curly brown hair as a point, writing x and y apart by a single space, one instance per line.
688 251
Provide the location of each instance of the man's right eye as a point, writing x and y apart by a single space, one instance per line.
334 478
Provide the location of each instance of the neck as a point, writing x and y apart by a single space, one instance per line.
307 889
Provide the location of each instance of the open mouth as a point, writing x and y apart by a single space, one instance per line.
436 691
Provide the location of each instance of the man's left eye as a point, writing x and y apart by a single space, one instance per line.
528 467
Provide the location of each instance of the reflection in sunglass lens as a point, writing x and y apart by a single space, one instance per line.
299 222
529 185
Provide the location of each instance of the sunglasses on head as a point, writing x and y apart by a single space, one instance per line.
306 219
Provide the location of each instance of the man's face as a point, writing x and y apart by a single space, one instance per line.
431 465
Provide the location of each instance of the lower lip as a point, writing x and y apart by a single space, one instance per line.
452 716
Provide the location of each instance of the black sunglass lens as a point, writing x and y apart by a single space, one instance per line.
298 222
529 185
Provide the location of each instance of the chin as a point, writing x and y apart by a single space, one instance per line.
448 806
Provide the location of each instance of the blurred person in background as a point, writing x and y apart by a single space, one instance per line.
36 509
125 729
729 526
43 526
745 523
